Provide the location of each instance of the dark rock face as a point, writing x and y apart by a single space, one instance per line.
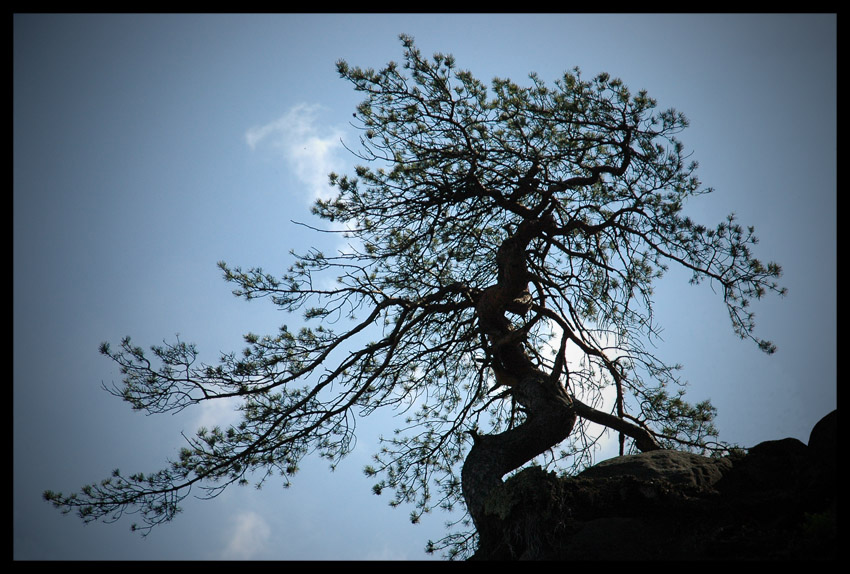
777 501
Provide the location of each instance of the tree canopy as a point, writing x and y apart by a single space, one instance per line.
495 276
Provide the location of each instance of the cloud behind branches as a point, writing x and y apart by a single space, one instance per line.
310 149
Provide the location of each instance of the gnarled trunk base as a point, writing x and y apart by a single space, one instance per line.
550 420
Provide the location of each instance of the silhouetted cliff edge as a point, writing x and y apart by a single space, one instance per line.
774 501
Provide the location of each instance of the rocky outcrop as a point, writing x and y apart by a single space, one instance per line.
775 501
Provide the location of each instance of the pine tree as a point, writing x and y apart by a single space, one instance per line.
493 236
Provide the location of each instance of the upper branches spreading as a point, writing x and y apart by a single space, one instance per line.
451 172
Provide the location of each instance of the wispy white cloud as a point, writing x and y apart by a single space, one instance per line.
249 538
220 412
311 149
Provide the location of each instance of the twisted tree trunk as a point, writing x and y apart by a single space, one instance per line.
550 415
550 411
549 421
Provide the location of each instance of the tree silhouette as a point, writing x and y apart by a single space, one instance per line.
501 251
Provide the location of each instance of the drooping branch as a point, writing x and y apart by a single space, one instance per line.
644 439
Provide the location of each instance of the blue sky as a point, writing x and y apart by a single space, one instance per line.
147 148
